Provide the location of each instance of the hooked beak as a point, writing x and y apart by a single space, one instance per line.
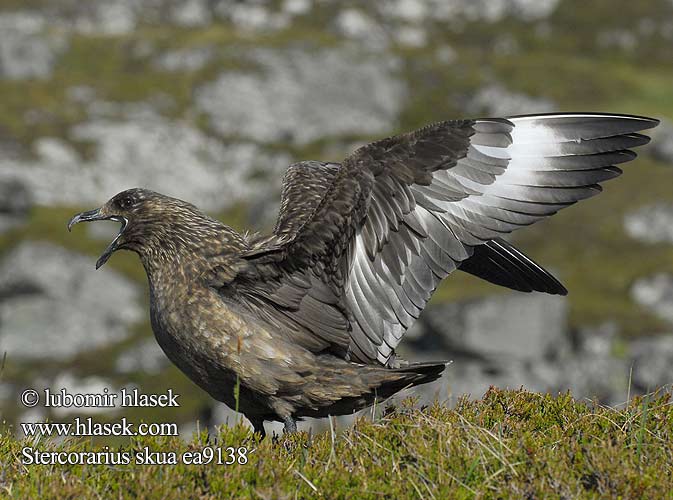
94 215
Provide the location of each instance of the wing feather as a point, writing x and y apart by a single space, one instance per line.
373 237
512 173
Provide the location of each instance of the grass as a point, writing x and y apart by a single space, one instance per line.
510 444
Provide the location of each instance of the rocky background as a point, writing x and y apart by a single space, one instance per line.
209 100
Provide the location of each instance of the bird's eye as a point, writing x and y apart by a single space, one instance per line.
126 202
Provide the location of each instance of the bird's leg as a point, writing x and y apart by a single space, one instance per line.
258 426
290 425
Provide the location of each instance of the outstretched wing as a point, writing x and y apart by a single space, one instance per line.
400 214
497 261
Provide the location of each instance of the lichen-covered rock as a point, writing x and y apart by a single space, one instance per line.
192 59
470 10
146 357
623 39
26 51
519 326
593 370
651 223
297 7
253 17
54 306
302 96
652 359
661 146
106 17
170 157
589 369
191 13
15 201
496 100
355 24
656 294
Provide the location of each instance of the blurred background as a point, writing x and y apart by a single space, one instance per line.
209 101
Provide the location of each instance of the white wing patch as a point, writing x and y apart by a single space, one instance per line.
516 172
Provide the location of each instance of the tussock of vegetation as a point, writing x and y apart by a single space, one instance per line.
510 444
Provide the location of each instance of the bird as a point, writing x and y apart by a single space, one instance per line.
304 321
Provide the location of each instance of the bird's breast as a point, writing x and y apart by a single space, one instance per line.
204 335
216 343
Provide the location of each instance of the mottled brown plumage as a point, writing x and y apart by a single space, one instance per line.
209 330
308 317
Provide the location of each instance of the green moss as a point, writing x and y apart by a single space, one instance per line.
52 115
578 80
511 444
12 5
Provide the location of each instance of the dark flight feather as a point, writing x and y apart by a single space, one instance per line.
500 263
398 215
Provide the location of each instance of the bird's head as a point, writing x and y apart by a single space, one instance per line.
153 224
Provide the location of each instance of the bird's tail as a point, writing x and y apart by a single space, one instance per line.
412 375
421 373
378 384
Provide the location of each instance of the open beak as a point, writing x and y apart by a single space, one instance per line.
94 215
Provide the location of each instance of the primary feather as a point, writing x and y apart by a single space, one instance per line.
378 233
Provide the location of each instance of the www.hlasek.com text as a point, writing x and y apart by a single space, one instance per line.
88 427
